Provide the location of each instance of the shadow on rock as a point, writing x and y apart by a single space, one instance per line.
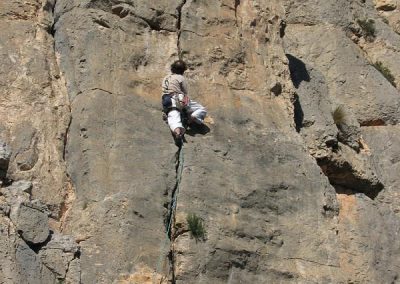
298 113
194 129
298 70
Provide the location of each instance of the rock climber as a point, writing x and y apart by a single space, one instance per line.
175 100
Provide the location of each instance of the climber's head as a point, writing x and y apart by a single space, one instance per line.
178 67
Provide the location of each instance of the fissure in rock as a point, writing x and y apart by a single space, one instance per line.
66 136
50 7
170 217
179 26
179 167
77 255
51 28
237 3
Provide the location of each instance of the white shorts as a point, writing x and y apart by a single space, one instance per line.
194 109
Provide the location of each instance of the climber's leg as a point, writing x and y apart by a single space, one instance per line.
175 123
197 112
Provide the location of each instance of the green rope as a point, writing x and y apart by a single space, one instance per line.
173 208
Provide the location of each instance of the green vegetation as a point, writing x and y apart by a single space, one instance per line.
368 27
196 226
385 72
339 115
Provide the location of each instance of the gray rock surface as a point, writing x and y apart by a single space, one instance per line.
286 193
5 155
31 223
338 58
58 254
18 191
30 253
33 105
29 267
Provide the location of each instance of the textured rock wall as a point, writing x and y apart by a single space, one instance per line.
35 113
287 191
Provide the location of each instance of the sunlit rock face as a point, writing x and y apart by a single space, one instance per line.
294 177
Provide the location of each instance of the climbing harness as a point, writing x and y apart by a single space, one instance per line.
174 102
172 209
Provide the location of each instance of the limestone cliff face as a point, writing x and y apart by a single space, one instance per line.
297 180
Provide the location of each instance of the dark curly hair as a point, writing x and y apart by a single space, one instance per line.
178 67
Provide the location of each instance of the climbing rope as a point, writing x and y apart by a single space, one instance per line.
172 210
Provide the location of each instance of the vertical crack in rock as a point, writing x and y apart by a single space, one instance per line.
72 266
237 3
50 7
52 29
171 258
170 217
170 221
71 262
179 26
69 195
66 134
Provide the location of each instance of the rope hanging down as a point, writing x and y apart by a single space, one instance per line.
172 209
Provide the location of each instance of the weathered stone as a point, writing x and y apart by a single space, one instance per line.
31 91
385 5
361 95
350 135
25 155
30 222
353 171
5 155
26 160
363 173
18 262
18 188
394 20
386 158
4 206
15 194
312 108
74 272
58 254
29 268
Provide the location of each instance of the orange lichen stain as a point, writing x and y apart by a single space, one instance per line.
237 102
143 275
66 205
348 206
347 220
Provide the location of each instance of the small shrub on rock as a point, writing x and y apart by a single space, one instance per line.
196 226
385 72
368 27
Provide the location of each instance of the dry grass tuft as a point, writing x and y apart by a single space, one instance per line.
339 115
